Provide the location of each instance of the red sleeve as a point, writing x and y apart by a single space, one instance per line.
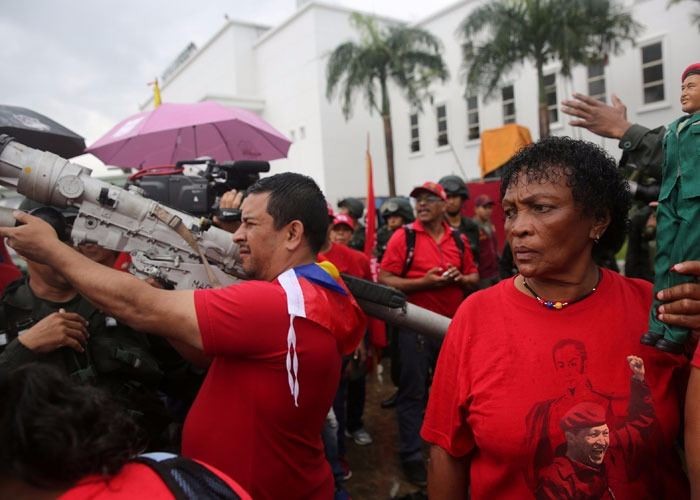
468 266
248 318
696 357
445 423
395 254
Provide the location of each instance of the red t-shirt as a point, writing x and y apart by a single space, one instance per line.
428 254
244 420
488 252
510 369
355 263
9 272
696 357
348 261
134 480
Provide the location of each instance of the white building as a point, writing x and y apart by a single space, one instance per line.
280 73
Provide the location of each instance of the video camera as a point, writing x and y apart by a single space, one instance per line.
198 195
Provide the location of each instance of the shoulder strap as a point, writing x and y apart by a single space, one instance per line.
410 234
457 236
187 479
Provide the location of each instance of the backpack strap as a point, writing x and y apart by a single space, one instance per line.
457 236
410 234
187 479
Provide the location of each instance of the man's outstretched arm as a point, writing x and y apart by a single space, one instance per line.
144 308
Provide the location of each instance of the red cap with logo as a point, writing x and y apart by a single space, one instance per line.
432 188
343 219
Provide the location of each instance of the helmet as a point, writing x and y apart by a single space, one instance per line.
355 207
397 206
60 219
454 185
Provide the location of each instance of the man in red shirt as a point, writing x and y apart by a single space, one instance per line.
488 244
437 277
275 342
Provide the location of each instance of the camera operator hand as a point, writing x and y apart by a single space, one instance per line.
230 200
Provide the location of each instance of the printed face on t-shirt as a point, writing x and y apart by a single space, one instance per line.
260 244
568 363
549 234
588 445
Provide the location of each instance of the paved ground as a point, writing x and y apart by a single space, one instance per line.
376 472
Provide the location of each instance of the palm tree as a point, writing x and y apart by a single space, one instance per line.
696 15
501 34
411 58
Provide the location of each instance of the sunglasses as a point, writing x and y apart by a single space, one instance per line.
431 198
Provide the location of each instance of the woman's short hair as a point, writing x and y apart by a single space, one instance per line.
54 432
596 184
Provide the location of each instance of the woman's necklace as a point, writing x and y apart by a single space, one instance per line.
556 304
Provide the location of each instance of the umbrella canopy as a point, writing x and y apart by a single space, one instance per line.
37 131
174 132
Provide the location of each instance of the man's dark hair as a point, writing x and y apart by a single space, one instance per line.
596 184
296 197
54 432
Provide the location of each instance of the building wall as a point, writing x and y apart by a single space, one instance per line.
681 46
287 77
223 70
281 74
345 141
292 75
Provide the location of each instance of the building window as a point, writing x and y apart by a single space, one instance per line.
415 136
442 139
472 118
596 81
550 92
508 96
653 73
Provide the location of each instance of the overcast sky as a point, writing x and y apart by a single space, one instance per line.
86 64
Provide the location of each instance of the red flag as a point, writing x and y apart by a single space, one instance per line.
371 226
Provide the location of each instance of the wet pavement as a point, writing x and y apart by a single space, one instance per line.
376 471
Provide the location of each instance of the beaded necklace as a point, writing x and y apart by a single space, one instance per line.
556 304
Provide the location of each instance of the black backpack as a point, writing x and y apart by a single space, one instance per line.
187 479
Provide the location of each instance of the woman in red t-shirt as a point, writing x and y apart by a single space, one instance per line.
62 440
542 388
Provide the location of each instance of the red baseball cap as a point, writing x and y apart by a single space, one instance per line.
432 188
343 219
483 200
693 69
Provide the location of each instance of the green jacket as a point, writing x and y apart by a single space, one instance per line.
114 352
642 152
682 158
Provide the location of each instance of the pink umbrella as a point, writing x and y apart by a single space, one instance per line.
174 132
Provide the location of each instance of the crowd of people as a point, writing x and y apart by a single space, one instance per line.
557 378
